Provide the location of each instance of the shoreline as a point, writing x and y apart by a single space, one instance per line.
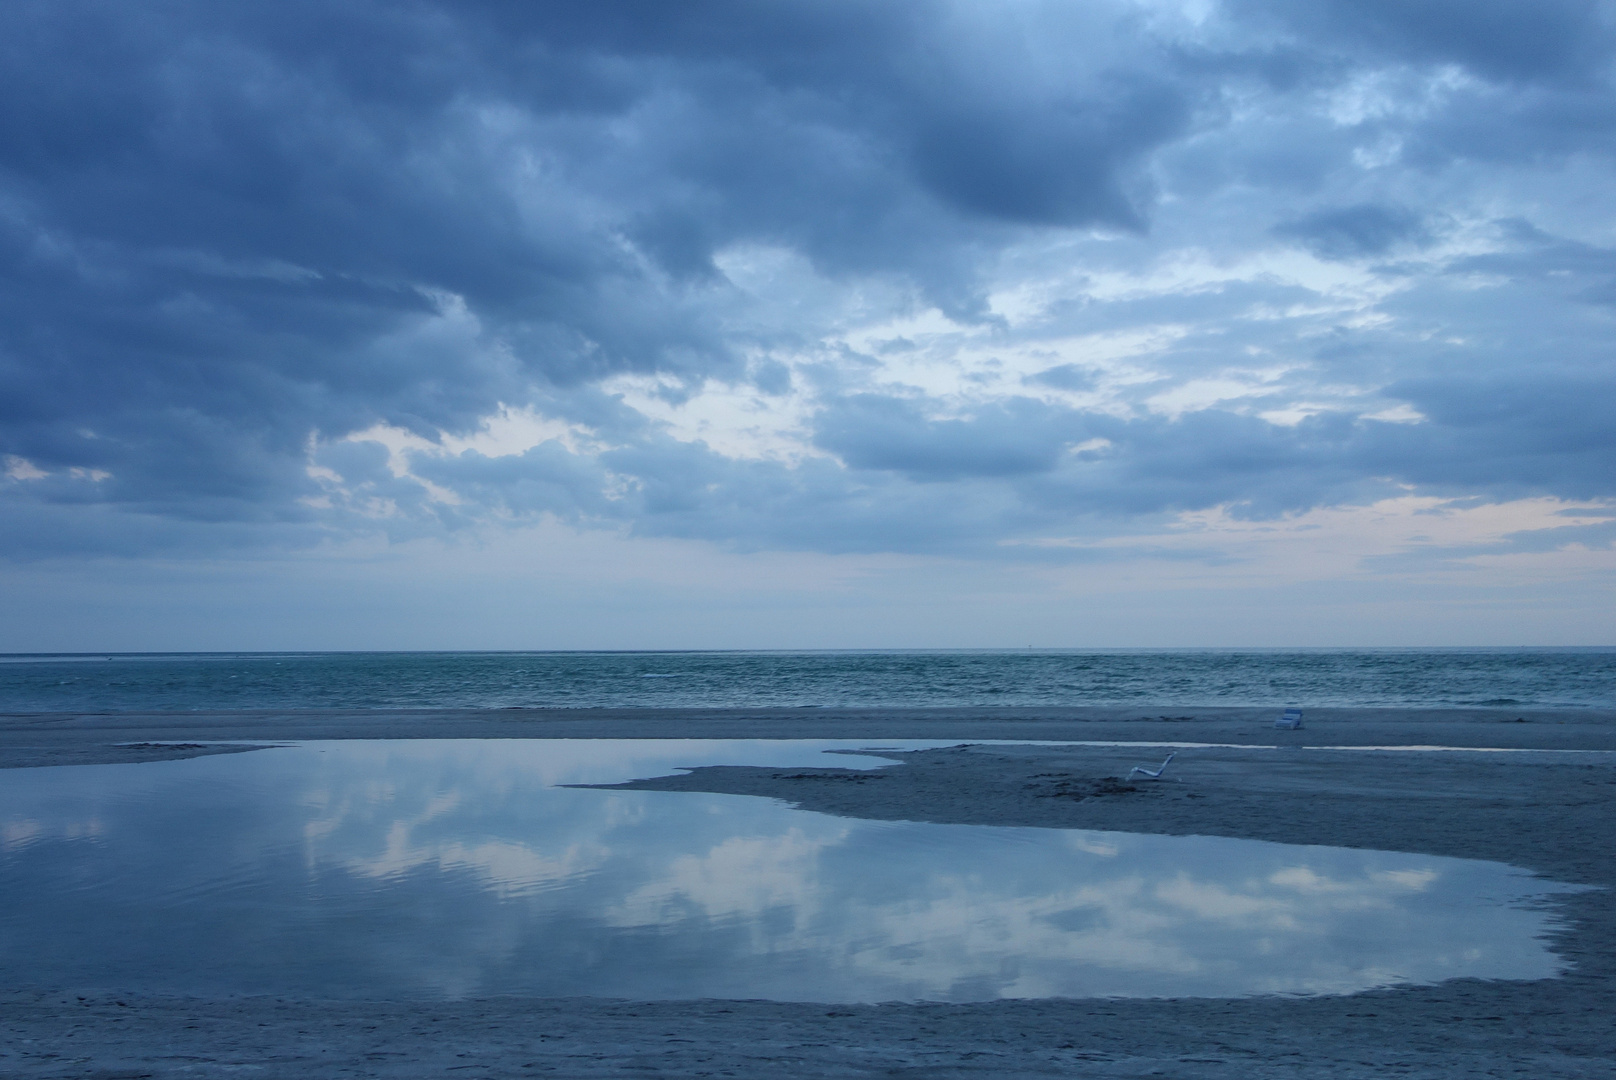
35 739
1552 813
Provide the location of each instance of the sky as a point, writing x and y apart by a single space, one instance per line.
807 324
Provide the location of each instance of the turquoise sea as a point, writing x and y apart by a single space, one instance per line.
1420 678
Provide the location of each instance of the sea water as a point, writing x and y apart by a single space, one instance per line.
442 869
1418 678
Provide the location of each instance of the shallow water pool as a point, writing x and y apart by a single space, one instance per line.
449 868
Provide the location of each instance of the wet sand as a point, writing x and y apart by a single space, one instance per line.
1552 812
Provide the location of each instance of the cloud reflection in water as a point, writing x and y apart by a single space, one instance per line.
452 868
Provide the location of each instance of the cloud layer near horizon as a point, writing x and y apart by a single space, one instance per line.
1012 280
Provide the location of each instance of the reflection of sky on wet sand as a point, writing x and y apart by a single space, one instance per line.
448 868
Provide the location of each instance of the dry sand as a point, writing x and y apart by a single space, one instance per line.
1551 812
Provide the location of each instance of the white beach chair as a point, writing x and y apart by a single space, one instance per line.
1154 774
1291 719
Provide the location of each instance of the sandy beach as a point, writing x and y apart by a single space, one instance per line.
1550 810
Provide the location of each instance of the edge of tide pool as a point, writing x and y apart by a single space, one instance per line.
1552 814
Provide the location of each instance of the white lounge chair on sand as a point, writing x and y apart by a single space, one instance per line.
1291 719
1154 774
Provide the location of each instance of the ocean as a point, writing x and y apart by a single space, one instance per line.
1417 678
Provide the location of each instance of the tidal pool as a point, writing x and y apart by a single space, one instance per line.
451 868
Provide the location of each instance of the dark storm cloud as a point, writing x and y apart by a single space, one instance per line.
226 227
1535 78
1496 39
233 235
1355 231
543 479
688 491
1064 377
1015 437
961 486
1509 434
